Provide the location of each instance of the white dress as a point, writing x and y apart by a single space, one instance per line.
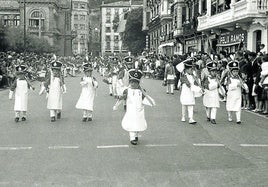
187 95
134 119
211 95
21 95
86 99
54 101
234 98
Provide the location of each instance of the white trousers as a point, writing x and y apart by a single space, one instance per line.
110 89
53 113
20 113
190 109
211 112
170 88
133 135
237 114
87 113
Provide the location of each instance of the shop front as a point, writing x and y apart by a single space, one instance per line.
232 41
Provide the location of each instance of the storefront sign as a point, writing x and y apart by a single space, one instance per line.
233 37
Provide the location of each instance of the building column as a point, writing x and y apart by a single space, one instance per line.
208 7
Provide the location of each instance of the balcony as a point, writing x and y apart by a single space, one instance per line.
240 11
177 32
189 28
35 28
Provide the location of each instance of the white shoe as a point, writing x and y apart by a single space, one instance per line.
183 119
192 121
230 119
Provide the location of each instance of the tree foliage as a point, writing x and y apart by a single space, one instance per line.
14 37
133 36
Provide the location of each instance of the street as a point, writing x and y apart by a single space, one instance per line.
72 153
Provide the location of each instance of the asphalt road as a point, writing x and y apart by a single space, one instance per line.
98 153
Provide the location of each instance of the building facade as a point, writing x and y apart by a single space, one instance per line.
95 22
49 19
113 20
235 24
80 24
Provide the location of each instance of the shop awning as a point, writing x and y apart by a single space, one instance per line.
228 44
170 44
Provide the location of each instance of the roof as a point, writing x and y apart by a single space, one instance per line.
122 4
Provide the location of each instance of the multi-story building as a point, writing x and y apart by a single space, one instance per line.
160 26
113 19
95 22
80 24
49 19
233 24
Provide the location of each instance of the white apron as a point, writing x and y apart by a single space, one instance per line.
86 99
54 101
134 119
21 95
234 98
211 96
187 95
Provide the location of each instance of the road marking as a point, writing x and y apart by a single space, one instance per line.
14 148
63 147
254 145
111 146
208 145
161 145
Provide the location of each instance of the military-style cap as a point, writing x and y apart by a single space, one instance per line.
87 66
135 74
56 65
188 63
21 68
233 65
128 59
212 65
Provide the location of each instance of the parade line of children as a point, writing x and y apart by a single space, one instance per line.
126 89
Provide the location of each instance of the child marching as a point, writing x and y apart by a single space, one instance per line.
190 88
55 87
86 100
134 118
234 87
20 86
211 98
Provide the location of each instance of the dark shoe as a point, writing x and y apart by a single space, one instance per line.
167 92
136 139
111 94
125 107
133 142
17 119
89 119
84 119
23 119
53 119
172 93
213 121
208 119
59 115
238 122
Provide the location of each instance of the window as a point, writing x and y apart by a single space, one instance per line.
116 38
82 17
75 5
82 27
116 11
116 45
7 21
108 38
35 19
17 20
108 18
82 6
108 29
108 45
75 17
108 11
76 26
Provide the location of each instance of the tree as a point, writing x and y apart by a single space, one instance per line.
133 36
14 38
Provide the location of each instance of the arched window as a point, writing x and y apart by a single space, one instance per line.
36 19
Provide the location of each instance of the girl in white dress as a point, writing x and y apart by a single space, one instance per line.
20 86
134 119
55 87
86 99
234 95
211 98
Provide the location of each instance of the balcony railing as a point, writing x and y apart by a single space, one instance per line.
35 28
240 10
